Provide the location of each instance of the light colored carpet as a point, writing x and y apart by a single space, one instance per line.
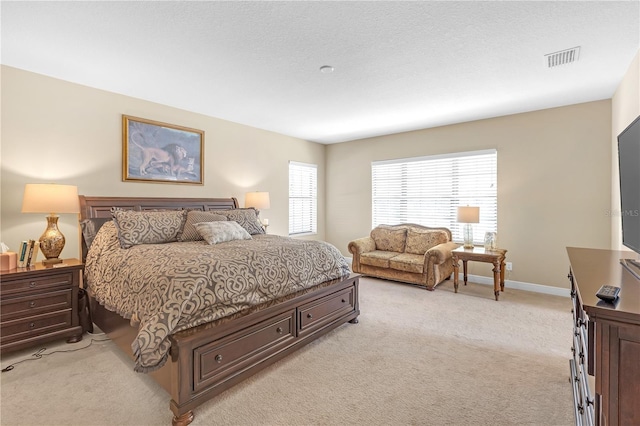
416 357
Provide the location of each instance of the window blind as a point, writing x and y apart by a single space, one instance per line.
303 198
428 190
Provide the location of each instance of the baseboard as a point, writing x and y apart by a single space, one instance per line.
518 285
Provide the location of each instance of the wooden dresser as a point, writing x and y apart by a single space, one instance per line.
39 304
606 342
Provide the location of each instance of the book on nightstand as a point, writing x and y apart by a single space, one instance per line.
36 249
22 254
27 262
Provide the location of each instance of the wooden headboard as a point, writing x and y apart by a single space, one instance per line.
100 207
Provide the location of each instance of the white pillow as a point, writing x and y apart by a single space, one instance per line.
219 232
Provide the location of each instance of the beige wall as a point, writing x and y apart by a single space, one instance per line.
55 131
625 107
555 180
554 174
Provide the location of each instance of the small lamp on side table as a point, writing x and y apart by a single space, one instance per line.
259 201
51 198
468 215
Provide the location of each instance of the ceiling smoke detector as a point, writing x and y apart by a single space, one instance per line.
562 57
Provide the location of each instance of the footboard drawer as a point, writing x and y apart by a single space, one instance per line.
325 310
231 355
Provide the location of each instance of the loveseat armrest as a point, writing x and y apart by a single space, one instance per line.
359 246
362 245
441 253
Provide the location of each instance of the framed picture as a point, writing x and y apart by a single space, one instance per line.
160 152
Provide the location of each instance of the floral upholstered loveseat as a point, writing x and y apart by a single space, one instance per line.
407 252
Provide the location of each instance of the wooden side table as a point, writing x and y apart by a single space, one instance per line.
39 303
479 254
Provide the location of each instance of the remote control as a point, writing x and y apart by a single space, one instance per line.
608 293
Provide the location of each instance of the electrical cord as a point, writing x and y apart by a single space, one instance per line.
41 353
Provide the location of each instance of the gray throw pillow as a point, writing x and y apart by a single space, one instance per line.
221 231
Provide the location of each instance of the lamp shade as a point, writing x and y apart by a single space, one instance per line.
50 198
259 200
468 214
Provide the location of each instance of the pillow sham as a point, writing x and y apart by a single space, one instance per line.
90 228
190 233
148 227
247 218
221 231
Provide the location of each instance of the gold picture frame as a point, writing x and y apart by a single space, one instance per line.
161 153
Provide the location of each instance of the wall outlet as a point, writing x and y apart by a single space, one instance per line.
509 266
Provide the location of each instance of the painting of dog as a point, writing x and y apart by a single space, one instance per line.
160 152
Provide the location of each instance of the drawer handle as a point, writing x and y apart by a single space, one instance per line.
32 284
32 304
31 325
309 316
279 330
218 358
343 301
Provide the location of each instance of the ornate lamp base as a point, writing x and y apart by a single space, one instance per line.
52 241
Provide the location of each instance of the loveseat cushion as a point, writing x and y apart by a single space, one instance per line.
408 262
377 258
419 241
389 238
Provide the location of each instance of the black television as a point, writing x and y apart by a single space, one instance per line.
629 166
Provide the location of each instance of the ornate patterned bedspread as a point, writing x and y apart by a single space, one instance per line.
166 288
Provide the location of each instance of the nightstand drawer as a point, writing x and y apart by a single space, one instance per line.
32 326
26 306
10 287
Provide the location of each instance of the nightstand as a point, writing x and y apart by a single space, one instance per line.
39 304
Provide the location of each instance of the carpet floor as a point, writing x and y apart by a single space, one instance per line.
415 358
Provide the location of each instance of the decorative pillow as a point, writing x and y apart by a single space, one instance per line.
189 232
221 231
90 228
247 218
389 239
418 242
148 227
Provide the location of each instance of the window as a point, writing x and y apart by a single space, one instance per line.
303 198
428 190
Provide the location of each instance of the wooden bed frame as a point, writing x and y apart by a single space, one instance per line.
209 359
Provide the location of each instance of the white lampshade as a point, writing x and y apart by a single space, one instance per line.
259 200
50 198
469 214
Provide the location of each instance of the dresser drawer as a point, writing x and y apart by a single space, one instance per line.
325 310
230 355
10 287
33 304
35 325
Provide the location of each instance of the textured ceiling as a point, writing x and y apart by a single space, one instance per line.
398 65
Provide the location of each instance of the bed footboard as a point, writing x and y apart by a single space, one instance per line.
207 360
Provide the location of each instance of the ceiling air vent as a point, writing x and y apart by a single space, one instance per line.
562 57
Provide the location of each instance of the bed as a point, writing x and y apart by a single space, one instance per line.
211 352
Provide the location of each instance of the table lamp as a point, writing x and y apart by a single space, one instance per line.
468 215
260 201
51 198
